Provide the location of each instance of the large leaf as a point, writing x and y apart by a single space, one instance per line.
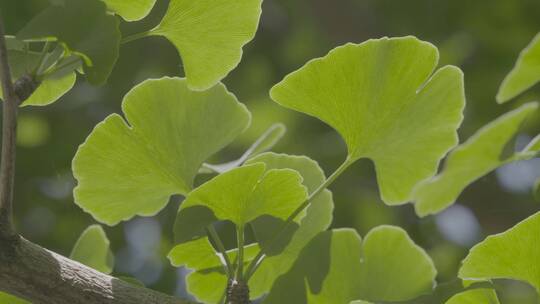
92 249
208 280
85 28
490 148
475 296
125 170
382 98
336 267
525 73
512 254
22 62
241 195
132 10
209 34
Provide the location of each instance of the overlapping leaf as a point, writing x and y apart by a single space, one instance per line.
125 170
209 34
92 249
132 10
475 296
512 254
336 267
382 98
485 151
85 28
525 73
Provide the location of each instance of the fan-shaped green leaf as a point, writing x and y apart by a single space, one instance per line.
512 254
264 143
125 170
338 268
485 151
251 191
525 73
132 10
209 34
382 98
475 296
85 28
92 249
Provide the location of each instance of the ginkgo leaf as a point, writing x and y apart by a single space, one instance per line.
92 249
336 267
490 148
383 99
525 73
50 89
512 254
125 170
208 280
209 35
132 10
317 219
251 191
85 28
264 143
9 299
475 296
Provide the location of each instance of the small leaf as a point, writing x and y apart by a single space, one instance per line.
92 249
126 170
512 254
338 268
132 10
9 299
482 153
475 296
209 35
525 73
383 99
251 192
264 143
86 29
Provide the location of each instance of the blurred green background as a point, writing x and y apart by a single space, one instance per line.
482 37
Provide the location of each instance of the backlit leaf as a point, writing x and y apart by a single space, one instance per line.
209 35
384 99
512 254
125 170
525 73
131 10
92 249
85 28
475 296
490 148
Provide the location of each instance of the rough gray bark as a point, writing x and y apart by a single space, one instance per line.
41 276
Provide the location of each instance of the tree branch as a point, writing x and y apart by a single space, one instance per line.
9 133
41 276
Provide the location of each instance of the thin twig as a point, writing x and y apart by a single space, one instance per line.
9 133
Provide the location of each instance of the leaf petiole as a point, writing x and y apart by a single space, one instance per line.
212 233
135 37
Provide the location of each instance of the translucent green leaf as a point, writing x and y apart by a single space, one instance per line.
86 29
208 280
92 249
209 34
338 268
525 73
251 191
512 254
383 99
317 219
51 88
475 296
132 10
9 299
490 148
264 143
125 170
